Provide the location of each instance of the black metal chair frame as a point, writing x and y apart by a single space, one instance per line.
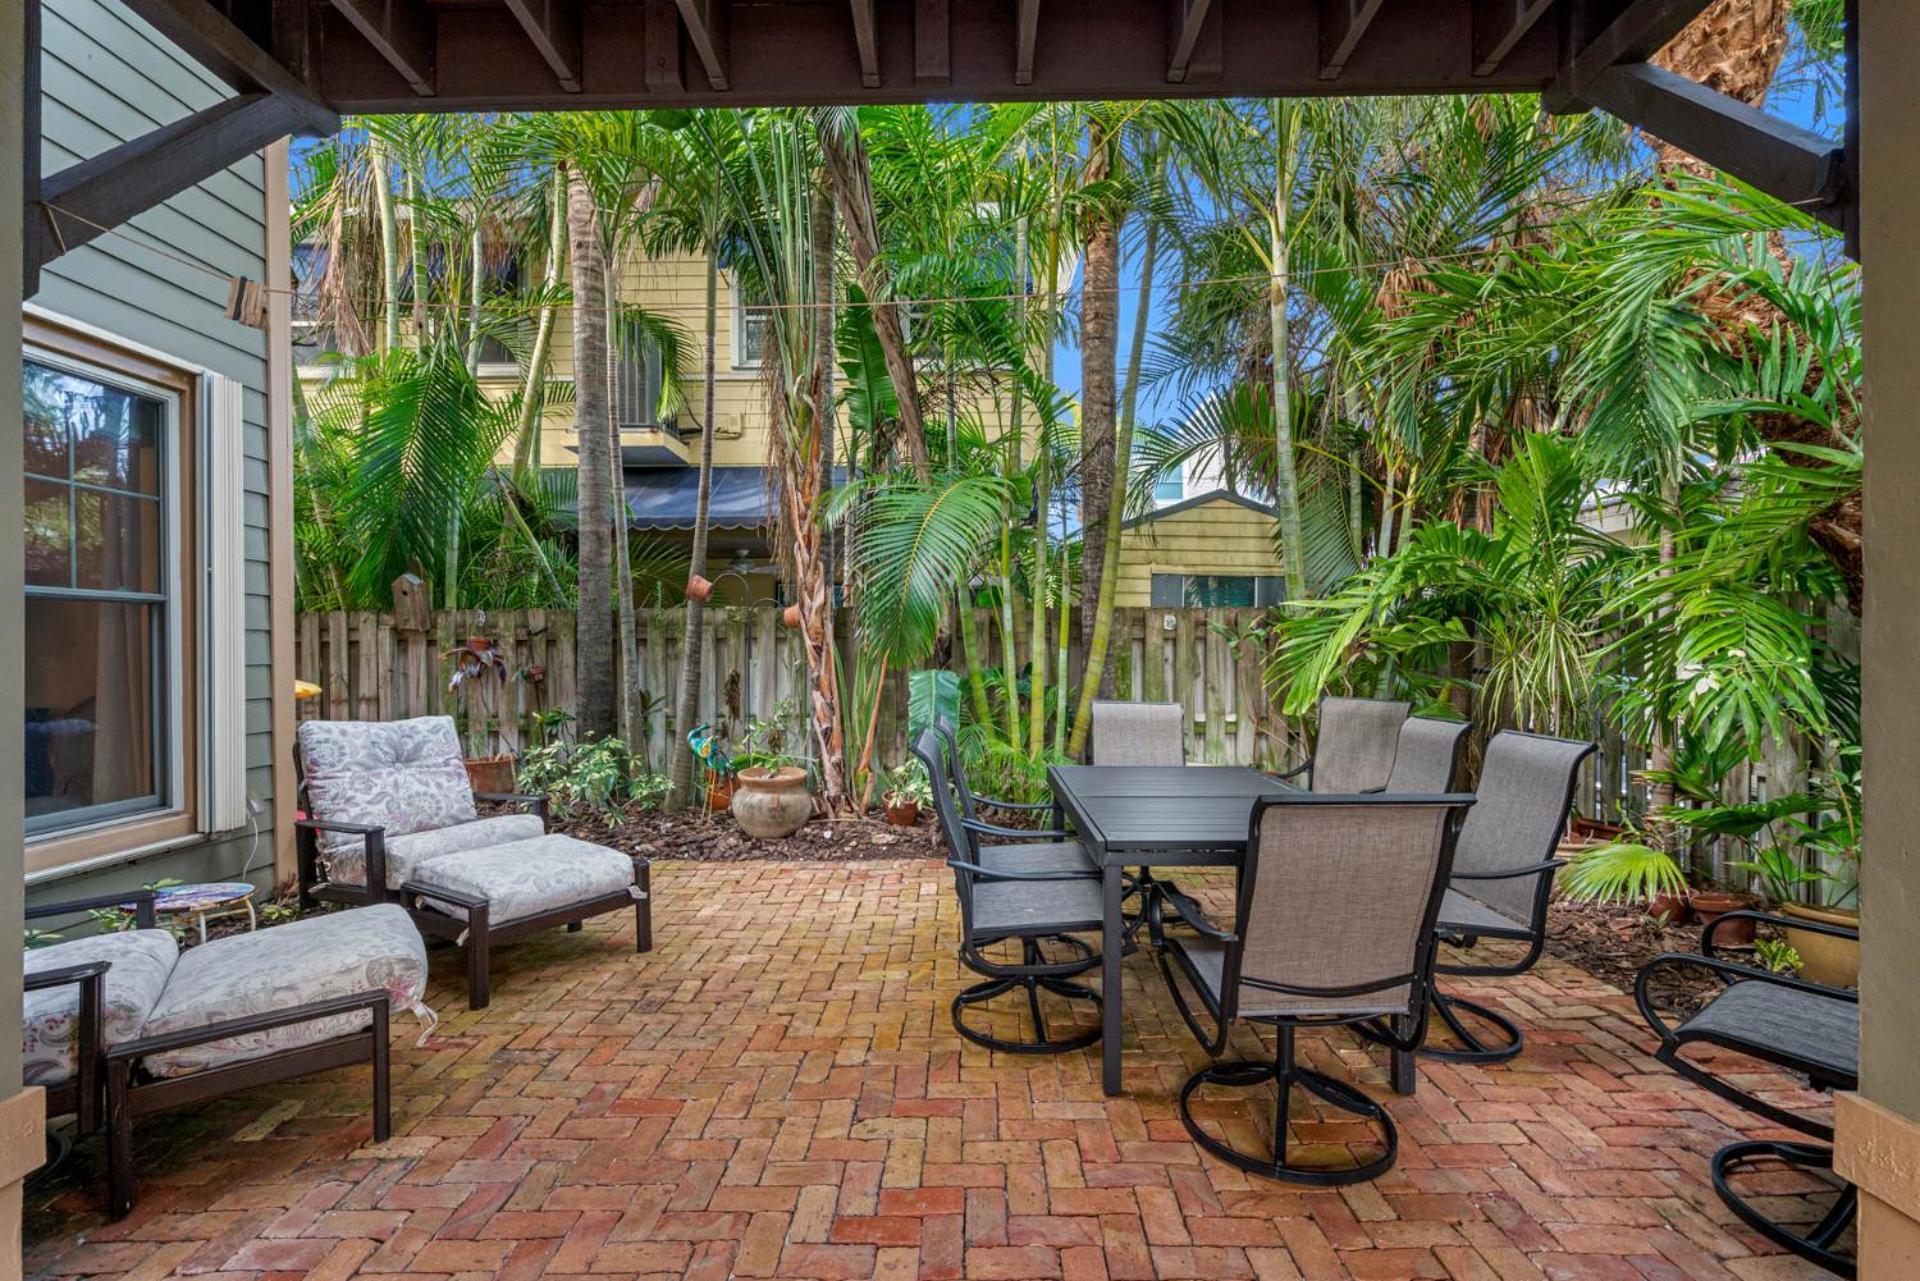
1448 1007
475 935
130 1095
1284 1070
1306 766
1815 1245
971 802
1034 973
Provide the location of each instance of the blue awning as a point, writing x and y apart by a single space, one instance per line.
665 497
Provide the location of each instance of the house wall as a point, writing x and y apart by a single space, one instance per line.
1218 537
108 77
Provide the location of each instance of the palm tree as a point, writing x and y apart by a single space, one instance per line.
595 711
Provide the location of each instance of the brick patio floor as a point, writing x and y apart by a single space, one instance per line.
776 1091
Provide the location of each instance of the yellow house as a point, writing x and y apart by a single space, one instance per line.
1216 548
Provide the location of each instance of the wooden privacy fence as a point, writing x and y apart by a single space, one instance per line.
371 667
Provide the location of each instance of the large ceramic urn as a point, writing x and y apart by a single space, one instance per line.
771 804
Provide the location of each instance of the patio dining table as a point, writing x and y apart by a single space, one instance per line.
1160 816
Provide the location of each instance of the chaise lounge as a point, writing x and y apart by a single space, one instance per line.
392 818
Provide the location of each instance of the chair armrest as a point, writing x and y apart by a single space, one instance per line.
1018 833
1189 911
39 980
1295 771
376 1001
995 803
997 874
536 805
1769 918
141 900
1512 873
373 838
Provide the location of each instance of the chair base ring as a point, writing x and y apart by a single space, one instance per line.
1475 1049
1043 1043
1816 1246
1274 1165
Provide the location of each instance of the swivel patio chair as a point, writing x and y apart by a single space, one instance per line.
1426 757
972 803
1028 902
1792 1023
1138 734
1292 962
1503 879
1354 749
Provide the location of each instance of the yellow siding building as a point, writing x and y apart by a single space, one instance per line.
1215 548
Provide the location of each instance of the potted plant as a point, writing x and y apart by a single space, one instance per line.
907 790
1624 871
770 798
478 663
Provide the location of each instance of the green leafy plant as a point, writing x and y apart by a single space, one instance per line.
41 938
907 785
113 920
763 744
1622 872
598 777
1780 872
1778 955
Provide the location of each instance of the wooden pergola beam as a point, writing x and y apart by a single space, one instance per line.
554 28
1026 25
1342 24
1498 26
932 43
1194 46
1791 164
706 22
85 200
1641 30
866 40
402 31
210 39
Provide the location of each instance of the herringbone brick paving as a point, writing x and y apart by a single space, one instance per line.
776 1092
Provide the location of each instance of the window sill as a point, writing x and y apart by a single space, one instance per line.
85 849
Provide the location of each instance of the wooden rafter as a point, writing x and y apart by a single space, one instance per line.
402 31
866 41
1194 46
932 43
1639 32
707 30
206 35
1499 25
84 200
1342 24
554 28
1026 24
660 46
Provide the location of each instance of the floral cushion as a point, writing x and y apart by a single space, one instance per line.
404 776
406 854
141 959
339 954
529 877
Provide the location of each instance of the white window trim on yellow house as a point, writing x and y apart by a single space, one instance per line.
201 690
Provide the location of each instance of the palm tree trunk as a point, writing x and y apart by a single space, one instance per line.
1098 679
594 633
1286 496
629 633
476 267
417 255
1099 352
389 243
685 707
526 450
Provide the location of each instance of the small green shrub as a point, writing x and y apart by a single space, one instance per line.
600 777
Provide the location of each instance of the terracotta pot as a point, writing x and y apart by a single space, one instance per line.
1594 830
1824 958
699 588
791 616
1672 909
904 815
1710 905
490 773
772 804
720 795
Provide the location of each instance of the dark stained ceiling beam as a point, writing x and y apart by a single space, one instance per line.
867 41
932 43
1342 24
1640 30
402 31
1194 50
1787 162
1498 26
205 35
707 31
554 28
84 200
1026 25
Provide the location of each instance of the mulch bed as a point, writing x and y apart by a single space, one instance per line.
1612 941
717 838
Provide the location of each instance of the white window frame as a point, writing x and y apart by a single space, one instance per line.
739 327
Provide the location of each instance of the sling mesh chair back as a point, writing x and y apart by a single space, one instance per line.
1503 876
1291 962
1354 749
1427 755
1003 905
1138 734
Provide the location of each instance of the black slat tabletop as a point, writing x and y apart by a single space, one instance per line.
1182 813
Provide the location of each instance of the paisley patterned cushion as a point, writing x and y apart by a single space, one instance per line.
404 776
339 954
407 854
142 960
529 877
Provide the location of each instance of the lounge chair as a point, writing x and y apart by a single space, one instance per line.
393 819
